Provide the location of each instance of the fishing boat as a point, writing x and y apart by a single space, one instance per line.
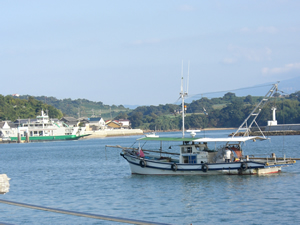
197 156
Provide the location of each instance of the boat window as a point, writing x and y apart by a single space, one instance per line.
182 149
192 159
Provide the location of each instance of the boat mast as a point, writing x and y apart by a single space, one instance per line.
182 96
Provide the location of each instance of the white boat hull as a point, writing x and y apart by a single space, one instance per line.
144 166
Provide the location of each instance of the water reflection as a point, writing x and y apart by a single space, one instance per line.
4 184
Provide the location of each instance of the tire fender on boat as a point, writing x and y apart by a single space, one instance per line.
244 166
204 168
143 163
174 167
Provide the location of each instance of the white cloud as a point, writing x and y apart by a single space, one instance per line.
186 8
286 68
262 29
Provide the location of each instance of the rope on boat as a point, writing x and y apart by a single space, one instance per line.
88 215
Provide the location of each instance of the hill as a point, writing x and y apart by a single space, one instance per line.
81 107
226 111
14 108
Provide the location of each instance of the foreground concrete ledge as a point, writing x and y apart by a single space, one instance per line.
112 133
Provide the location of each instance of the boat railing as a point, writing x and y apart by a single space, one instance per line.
144 150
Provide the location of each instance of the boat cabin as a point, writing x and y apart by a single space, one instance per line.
198 153
192 153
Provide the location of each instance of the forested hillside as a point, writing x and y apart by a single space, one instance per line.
82 107
228 111
14 108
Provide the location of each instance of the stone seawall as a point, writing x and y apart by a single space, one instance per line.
112 133
270 133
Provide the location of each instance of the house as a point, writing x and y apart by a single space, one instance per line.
125 123
113 124
70 121
94 123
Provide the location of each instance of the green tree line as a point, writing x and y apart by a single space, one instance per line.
13 108
81 107
224 112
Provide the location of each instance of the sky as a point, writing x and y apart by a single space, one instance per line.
132 52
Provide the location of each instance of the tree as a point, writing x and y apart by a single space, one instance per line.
229 96
248 99
121 115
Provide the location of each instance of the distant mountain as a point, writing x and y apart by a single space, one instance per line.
288 86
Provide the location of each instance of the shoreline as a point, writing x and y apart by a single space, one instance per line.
112 133
205 129
132 132
270 133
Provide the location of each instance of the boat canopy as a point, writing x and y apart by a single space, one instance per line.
180 139
167 139
231 139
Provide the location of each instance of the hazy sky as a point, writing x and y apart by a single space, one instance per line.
130 52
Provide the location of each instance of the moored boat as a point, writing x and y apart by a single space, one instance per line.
40 129
197 156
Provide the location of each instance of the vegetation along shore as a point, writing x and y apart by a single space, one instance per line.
215 113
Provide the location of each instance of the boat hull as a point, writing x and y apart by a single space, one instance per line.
49 138
144 166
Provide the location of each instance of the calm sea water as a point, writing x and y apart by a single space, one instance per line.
83 176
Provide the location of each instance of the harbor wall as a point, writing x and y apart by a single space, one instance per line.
270 133
112 133
279 127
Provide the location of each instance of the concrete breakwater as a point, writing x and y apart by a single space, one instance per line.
112 133
270 133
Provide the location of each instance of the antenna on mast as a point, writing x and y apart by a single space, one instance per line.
182 96
188 76
181 77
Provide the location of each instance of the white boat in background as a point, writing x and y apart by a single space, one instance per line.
200 156
41 129
152 134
